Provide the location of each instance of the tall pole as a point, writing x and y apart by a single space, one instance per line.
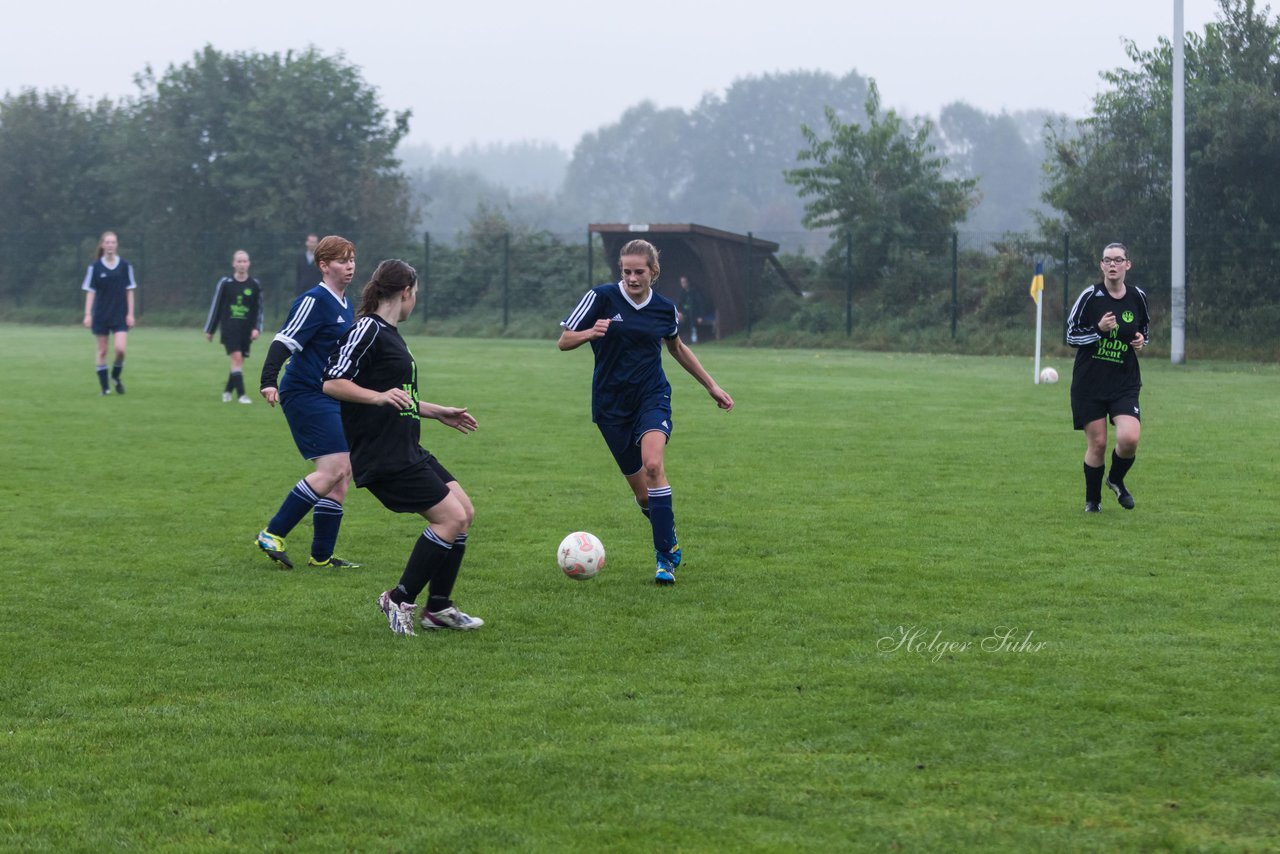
955 281
1178 274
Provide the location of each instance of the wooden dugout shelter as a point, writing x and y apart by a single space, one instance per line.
725 267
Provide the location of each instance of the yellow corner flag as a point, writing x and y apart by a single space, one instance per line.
1037 282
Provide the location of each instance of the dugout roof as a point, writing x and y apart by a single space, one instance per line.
722 265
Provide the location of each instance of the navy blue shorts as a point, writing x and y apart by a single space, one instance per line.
315 419
109 328
624 439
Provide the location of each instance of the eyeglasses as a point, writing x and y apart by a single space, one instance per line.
1114 260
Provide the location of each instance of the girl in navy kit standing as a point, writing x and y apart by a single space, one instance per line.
108 307
1108 325
627 323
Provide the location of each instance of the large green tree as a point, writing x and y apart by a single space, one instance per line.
880 183
1112 180
56 187
232 147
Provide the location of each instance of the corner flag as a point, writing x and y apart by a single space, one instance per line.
1037 285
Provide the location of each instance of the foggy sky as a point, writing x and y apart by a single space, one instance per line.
553 70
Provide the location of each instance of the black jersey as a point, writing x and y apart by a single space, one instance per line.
1106 365
109 284
236 304
384 442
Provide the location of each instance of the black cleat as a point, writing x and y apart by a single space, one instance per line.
1093 507
334 563
119 387
273 547
1122 494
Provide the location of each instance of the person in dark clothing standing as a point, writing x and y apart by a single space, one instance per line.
237 308
1108 325
108 306
307 275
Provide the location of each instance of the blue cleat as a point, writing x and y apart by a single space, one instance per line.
666 573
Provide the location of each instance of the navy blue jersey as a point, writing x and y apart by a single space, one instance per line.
384 441
316 321
238 303
628 371
109 285
1106 365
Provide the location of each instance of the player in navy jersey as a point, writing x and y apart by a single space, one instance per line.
627 323
237 308
316 321
108 307
1108 325
375 376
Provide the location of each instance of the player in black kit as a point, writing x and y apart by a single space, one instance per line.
374 375
237 308
1108 325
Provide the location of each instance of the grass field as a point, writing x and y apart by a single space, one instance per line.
894 630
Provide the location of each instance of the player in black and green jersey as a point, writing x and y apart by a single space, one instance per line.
1108 325
237 308
375 377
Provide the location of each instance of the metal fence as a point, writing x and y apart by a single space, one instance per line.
949 284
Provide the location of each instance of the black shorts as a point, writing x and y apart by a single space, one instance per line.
236 337
1086 408
103 328
415 490
237 345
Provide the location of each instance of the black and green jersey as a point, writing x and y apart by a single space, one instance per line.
236 304
384 441
1106 365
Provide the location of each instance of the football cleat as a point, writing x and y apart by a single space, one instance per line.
666 572
334 563
119 387
1093 507
244 398
273 546
1122 494
450 618
399 614
226 397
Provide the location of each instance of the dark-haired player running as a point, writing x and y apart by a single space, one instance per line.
374 375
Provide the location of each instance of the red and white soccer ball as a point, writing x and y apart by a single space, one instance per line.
1048 375
581 555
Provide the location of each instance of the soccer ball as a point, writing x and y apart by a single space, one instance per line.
1048 375
581 555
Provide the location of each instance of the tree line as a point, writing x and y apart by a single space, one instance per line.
248 150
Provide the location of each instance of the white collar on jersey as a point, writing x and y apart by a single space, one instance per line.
627 297
341 298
